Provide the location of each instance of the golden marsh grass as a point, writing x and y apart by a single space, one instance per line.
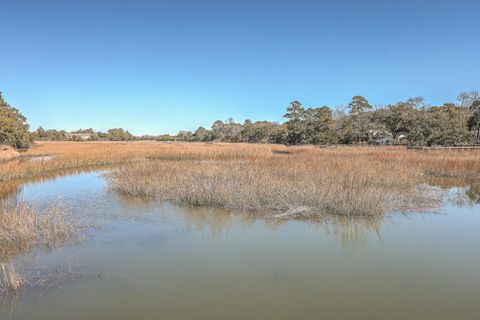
300 182
23 228
7 153
266 180
82 155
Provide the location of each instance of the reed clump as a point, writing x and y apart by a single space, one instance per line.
11 280
24 227
301 182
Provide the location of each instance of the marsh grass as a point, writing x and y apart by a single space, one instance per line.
301 182
267 180
12 280
83 155
23 228
7 153
284 188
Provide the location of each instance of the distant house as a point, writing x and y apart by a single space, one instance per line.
383 141
78 136
381 138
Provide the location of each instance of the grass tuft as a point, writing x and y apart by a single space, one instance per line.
302 182
23 228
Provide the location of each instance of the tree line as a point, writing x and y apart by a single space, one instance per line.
407 122
115 134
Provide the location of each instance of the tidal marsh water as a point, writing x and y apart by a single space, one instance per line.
152 260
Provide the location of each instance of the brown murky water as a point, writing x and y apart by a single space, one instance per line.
157 261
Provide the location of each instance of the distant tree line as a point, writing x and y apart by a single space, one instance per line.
115 134
406 122
14 130
411 121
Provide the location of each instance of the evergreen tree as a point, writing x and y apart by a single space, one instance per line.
13 126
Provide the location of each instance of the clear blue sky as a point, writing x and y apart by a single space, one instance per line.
163 66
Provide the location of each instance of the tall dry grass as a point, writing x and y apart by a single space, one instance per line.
301 182
74 155
11 280
23 228
7 153
82 155
285 181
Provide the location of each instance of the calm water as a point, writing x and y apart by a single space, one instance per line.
158 261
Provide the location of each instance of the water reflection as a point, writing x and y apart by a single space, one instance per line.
84 191
200 263
353 232
9 188
13 187
473 193
461 191
215 222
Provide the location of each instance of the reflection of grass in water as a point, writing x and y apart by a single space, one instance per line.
352 231
467 190
216 221
202 219
9 188
349 231
12 187
473 193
